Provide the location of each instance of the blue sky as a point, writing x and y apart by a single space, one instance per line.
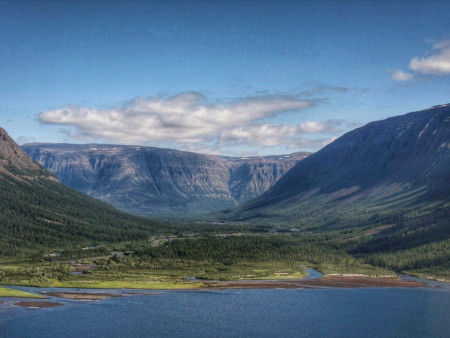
224 77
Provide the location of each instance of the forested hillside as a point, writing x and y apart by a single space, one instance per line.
37 212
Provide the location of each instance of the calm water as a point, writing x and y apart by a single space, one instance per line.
421 312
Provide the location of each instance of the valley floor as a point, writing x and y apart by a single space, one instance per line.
223 260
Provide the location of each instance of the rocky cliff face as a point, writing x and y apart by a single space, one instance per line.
144 180
12 155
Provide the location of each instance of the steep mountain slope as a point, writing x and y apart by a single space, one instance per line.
144 180
12 155
387 170
36 211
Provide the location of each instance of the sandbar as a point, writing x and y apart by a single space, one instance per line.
37 304
81 295
324 282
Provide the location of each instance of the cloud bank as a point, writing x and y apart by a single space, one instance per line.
437 62
189 121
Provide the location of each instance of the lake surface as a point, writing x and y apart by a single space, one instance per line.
368 312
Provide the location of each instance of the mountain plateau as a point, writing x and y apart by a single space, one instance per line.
145 180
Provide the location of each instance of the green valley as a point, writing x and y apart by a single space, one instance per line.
374 202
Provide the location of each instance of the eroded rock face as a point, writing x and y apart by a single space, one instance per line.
145 180
12 155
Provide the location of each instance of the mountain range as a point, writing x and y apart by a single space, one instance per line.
380 193
145 180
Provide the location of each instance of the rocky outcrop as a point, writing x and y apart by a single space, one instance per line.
146 180
12 155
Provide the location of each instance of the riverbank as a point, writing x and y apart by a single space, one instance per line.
323 282
13 293
343 281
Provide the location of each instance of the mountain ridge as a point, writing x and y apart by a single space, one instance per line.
401 155
12 155
148 180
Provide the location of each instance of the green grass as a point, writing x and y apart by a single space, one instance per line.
153 285
354 268
7 292
438 274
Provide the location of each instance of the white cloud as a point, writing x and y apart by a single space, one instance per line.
402 76
436 63
189 121
269 135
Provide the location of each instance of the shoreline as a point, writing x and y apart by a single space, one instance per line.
324 282
327 281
